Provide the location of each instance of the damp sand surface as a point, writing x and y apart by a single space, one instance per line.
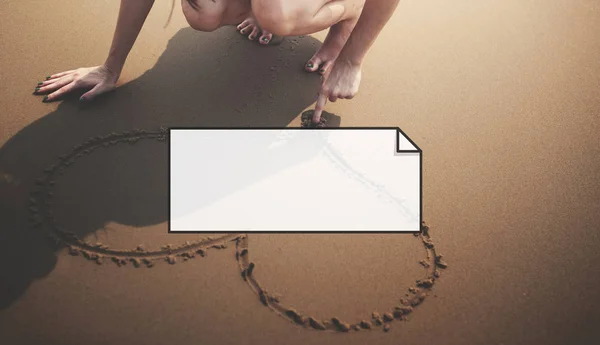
501 96
300 272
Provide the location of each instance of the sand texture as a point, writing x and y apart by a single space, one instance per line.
501 96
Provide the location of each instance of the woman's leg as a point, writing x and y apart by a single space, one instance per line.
334 42
251 28
293 18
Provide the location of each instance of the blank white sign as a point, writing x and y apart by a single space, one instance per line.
294 180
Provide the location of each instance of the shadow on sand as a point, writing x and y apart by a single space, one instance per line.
217 79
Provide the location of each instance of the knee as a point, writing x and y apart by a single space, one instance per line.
206 21
280 17
204 26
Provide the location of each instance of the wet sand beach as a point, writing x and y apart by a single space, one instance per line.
501 96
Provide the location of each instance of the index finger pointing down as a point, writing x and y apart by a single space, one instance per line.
321 101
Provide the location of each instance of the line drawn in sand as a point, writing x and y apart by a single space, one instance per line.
358 183
42 217
415 294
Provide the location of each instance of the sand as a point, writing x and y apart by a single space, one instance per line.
501 96
415 294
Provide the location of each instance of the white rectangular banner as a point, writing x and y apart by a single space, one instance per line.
294 180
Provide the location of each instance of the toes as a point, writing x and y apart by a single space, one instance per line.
249 27
325 67
246 29
243 25
266 37
313 64
254 33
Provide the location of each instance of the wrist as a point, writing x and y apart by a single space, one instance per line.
114 65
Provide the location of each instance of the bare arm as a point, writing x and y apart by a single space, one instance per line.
132 15
103 78
375 14
344 78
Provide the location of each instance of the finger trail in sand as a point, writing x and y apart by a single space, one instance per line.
42 217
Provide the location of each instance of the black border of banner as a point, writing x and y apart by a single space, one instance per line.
398 133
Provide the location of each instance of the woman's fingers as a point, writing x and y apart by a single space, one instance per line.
42 86
57 84
95 91
319 107
58 75
96 79
63 90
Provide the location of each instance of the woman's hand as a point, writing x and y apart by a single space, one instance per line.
341 81
101 79
97 80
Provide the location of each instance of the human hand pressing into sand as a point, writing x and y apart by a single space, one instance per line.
342 81
97 80
353 27
101 79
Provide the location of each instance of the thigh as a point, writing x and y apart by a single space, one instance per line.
295 17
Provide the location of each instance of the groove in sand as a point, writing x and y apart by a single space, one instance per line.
42 216
415 296
40 207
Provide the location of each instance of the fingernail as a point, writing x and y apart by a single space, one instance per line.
45 99
241 31
251 37
40 83
37 89
48 77
81 99
309 65
265 39
322 70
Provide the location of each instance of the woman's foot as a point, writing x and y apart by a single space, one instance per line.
251 28
331 48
